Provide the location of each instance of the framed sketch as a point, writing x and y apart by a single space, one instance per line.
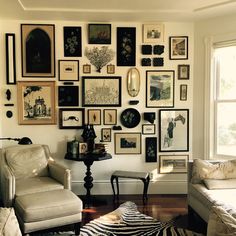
38 50
86 69
109 116
82 148
101 91
174 130
110 69
160 88
151 149
126 46
106 135
71 118
173 164
10 59
68 96
68 70
183 71
153 33
178 47
72 41
148 129
94 116
128 143
99 33
36 103
183 92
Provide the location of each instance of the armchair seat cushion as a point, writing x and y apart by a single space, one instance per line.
36 184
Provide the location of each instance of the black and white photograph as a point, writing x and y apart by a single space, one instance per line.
178 48
183 72
153 33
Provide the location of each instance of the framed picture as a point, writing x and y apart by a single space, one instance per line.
173 164
72 41
38 50
68 96
99 33
94 116
148 129
151 149
101 91
68 70
160 88
36 103
183 92
86 69
153 33
183 71
106 135
174 130
110 69
10 59
109 116
128 143
178 47
71 118
126 46
82 148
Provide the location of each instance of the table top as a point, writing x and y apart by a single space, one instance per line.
92 156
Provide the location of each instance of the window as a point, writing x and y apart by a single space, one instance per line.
224 97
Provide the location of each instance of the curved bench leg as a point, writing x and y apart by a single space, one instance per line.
112 185
145 188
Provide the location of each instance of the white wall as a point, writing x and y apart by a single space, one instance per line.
56 138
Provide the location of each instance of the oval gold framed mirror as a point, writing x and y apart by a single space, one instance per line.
133 82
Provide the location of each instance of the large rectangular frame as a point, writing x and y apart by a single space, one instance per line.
160 88
101 91
36 102
38 50
10 59
173 130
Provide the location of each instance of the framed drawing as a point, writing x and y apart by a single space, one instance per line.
72 41
71 118
110 69
178 47
174 130
36 103
173 164
183 71
38 50
153 33
10 59
106 135
94 116
148 129
68 96
68 70
99 33
151 149
128 143
109 116
86 69
160 88
101 91
183 92
126 46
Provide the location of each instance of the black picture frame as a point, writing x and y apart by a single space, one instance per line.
72 41
183 72
99 33
10 58
126 46
151 149
98 91
146 49
106 134
68 70
94 117
174 130
178 47
68 96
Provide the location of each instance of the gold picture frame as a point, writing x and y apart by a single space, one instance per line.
86 69
36 102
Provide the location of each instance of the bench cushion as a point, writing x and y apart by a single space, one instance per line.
47 205
131 174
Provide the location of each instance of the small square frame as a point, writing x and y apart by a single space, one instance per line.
99 33
153 33
68 70
68 96
106 135
109 116
82 148
148 129
178 48
183 72
110 69
94 116
86 69
183 92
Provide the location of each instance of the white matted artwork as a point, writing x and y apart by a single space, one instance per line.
153 33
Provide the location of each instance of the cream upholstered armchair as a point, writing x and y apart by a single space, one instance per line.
29 169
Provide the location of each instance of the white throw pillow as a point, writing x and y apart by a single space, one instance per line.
203 169
220 183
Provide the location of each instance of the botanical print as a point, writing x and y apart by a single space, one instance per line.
109 116
151 149
106 135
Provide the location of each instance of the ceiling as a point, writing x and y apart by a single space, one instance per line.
115 10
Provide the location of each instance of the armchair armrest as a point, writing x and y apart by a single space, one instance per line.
60 173
8 184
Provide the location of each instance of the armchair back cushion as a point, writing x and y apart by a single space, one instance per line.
26 162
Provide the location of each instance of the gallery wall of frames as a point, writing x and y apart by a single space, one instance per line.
132 81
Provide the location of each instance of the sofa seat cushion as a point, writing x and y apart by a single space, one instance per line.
47 205
220 183
36 184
